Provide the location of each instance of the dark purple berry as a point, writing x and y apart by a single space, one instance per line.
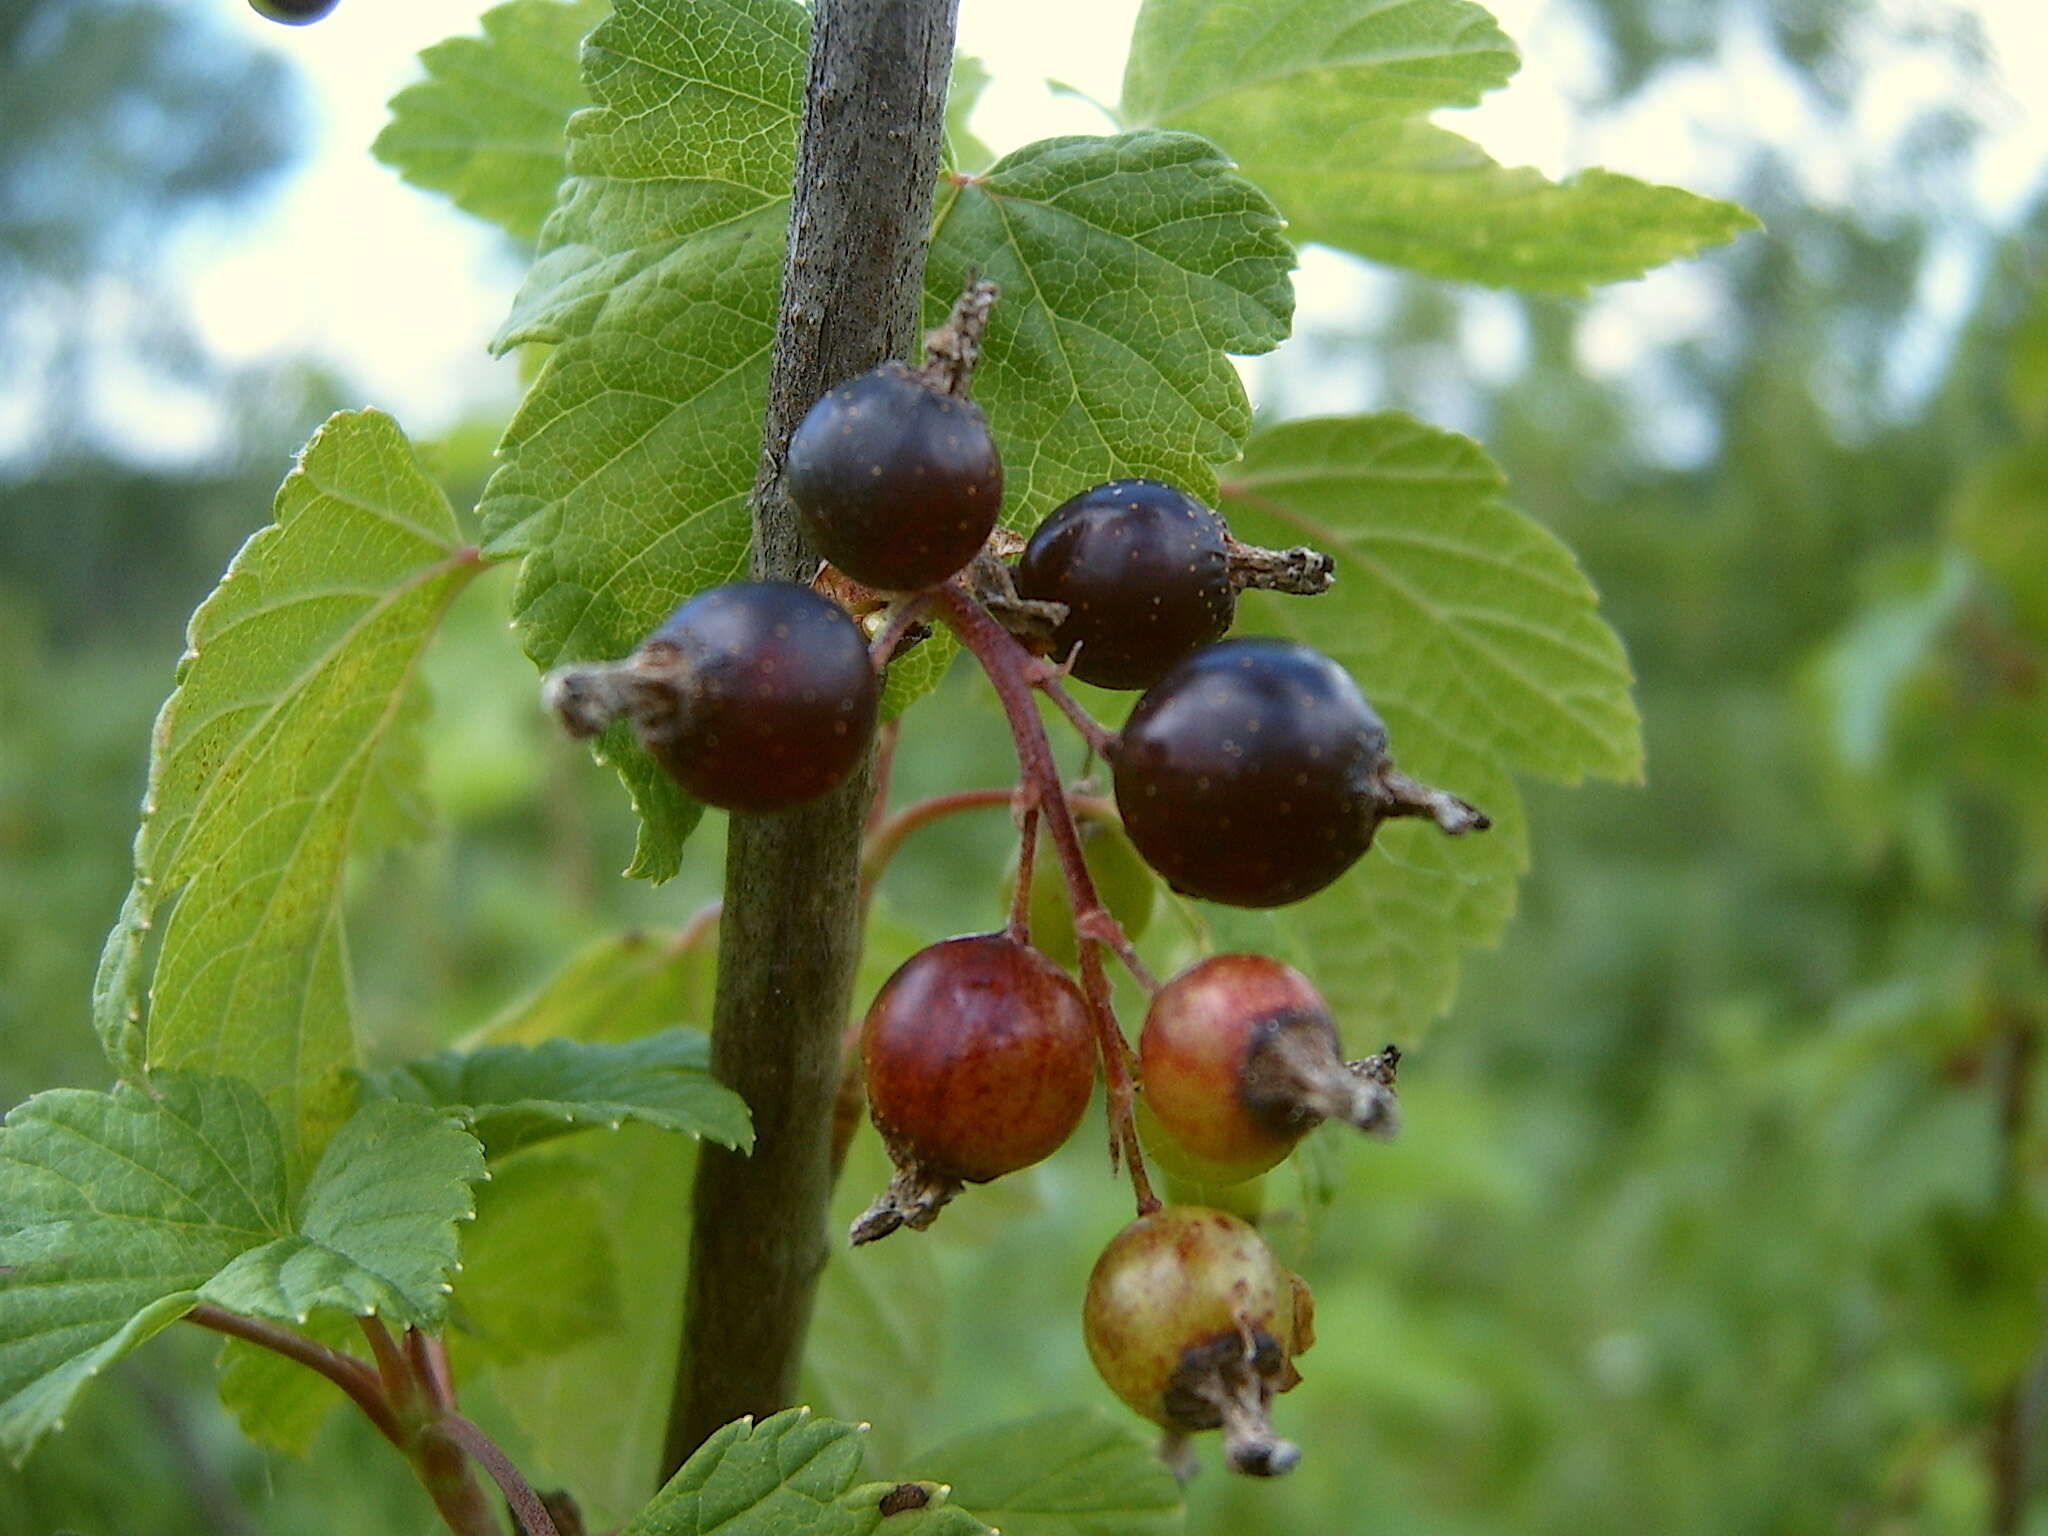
1144 570
293 13
897 483
1246 774
755 697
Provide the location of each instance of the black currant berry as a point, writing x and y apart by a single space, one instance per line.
1195 1325
1144 570
1255 773
293 13
1240 1059
897 482
754 697
979 1058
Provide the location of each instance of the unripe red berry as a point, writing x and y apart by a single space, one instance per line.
1194 1324
897 482
979 1058
1240 1059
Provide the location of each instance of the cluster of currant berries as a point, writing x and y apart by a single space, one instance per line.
1250 772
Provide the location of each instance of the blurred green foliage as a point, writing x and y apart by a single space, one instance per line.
1718 1207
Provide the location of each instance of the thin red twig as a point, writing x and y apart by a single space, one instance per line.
1027 856
527 1508
429 1359
353 1375
1011 671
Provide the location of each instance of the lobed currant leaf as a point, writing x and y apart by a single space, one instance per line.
485 127
120 1211
282 750
788 1475
1075 1472
1477 638
1324 104
512 1096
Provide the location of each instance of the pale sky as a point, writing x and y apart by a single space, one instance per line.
401 292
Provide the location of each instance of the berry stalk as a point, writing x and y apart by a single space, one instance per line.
1010 671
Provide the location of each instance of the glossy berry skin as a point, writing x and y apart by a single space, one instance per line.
1202 1053
774 699
896 483
1144 570
293 13
979 1058
1245 774
1179 1293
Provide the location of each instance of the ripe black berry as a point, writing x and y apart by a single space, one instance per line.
1255 773
293 13
754 697
1240 1059
1194 1324
1144 570
979 1058
897 483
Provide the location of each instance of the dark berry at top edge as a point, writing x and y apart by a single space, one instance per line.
896 483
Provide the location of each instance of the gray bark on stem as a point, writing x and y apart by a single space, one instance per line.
867 164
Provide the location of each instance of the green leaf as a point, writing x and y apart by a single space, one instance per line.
593 1409
119 1211
281 737
376 1229
276 1401
877 1336
512 1096
540 1267
789 1475
485 128
616 988
1324 104
593 1412
964 147
1130 265
1476 636
1419 196
1447 599
625 475
1071 1473
1190 56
